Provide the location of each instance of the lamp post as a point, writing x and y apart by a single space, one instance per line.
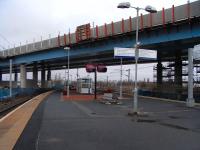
149 9
10 81
120 91
67 48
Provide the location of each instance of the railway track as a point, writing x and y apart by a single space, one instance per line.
8 106
11 104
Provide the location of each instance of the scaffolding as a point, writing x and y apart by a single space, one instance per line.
168 72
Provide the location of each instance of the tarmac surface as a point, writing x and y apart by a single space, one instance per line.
90 125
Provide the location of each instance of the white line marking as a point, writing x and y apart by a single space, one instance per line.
164 99
167 100
37 141
170 111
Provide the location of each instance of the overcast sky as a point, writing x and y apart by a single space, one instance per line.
23 20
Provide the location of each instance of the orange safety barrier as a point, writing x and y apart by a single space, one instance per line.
97 31
188 11
122 25
163 16
105 30
173 14
65 39
130 24
69 37
141 22
58 40
113 30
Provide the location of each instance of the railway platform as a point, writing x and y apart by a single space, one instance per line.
49 123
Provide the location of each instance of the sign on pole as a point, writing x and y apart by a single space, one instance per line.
147 53
130 53
196 52
124 52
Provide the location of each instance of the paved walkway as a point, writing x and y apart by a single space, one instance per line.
89 125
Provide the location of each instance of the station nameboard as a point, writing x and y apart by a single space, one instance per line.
130 53
147 53
124 52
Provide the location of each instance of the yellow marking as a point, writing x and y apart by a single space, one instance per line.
14 123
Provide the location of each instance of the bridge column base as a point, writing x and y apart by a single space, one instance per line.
22 76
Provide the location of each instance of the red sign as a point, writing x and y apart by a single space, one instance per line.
83 32
101 68
90 68
93 67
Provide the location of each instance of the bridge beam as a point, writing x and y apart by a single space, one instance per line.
23 76
35 75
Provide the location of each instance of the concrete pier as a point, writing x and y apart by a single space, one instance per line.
23 76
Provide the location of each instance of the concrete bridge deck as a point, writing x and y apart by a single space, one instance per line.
74 125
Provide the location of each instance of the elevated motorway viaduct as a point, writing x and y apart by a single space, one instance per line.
169 36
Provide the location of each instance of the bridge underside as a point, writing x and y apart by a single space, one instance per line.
171 42
167 40
166 52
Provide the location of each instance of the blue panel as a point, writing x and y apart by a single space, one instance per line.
183 32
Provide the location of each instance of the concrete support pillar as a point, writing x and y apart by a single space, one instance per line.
35 75
22 76
178 70
159 72
0 75
190 100
43 77
49 74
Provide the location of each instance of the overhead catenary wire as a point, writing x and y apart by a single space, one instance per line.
5 39
2 47
131 69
